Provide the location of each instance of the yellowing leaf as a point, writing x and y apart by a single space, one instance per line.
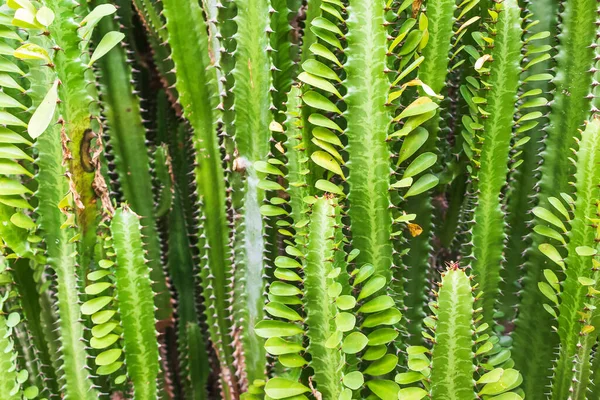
327 161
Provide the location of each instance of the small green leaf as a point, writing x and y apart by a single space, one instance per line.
268 329
550 251
281 388
388 317
286 262
104 342
287 275
412 393
379 303
319 69
328 162
267 168
420 106
7 101
372 286
585 251
97 288
322 51
345 302
45 16
330 187
110 40
423 184
382 336
283 289
334 340
91 20
418 362
491 377
108 357
319 83
102 317
323 121
406 378
383 366
22 221
420 164
345 321
13 319
109 369
320 102
384 389
282 311
31 51
292 360
94 305
354 343
277 346
43 115
25 19
412 143
586 281
99 331
547 216
508 379
363 273
374 352
548 232
31 392
354 380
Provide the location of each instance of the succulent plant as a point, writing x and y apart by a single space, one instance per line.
299 199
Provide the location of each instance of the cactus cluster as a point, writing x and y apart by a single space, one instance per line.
299 199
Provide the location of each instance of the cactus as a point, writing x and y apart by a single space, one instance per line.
254 199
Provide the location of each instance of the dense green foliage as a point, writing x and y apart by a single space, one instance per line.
299 199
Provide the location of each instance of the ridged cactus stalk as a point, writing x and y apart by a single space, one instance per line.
299 199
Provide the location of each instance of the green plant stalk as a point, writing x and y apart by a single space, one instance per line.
320 308
60 251
534 339
252 104
582 233
78 98
181 267
368 120
127 138
135 299
523 181
452 357
297 160
433 71
31 303
199 97
488 227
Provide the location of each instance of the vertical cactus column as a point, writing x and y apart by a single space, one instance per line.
534 340
492 124
579 265
368 120
252 104
135 297
198 95
121 107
